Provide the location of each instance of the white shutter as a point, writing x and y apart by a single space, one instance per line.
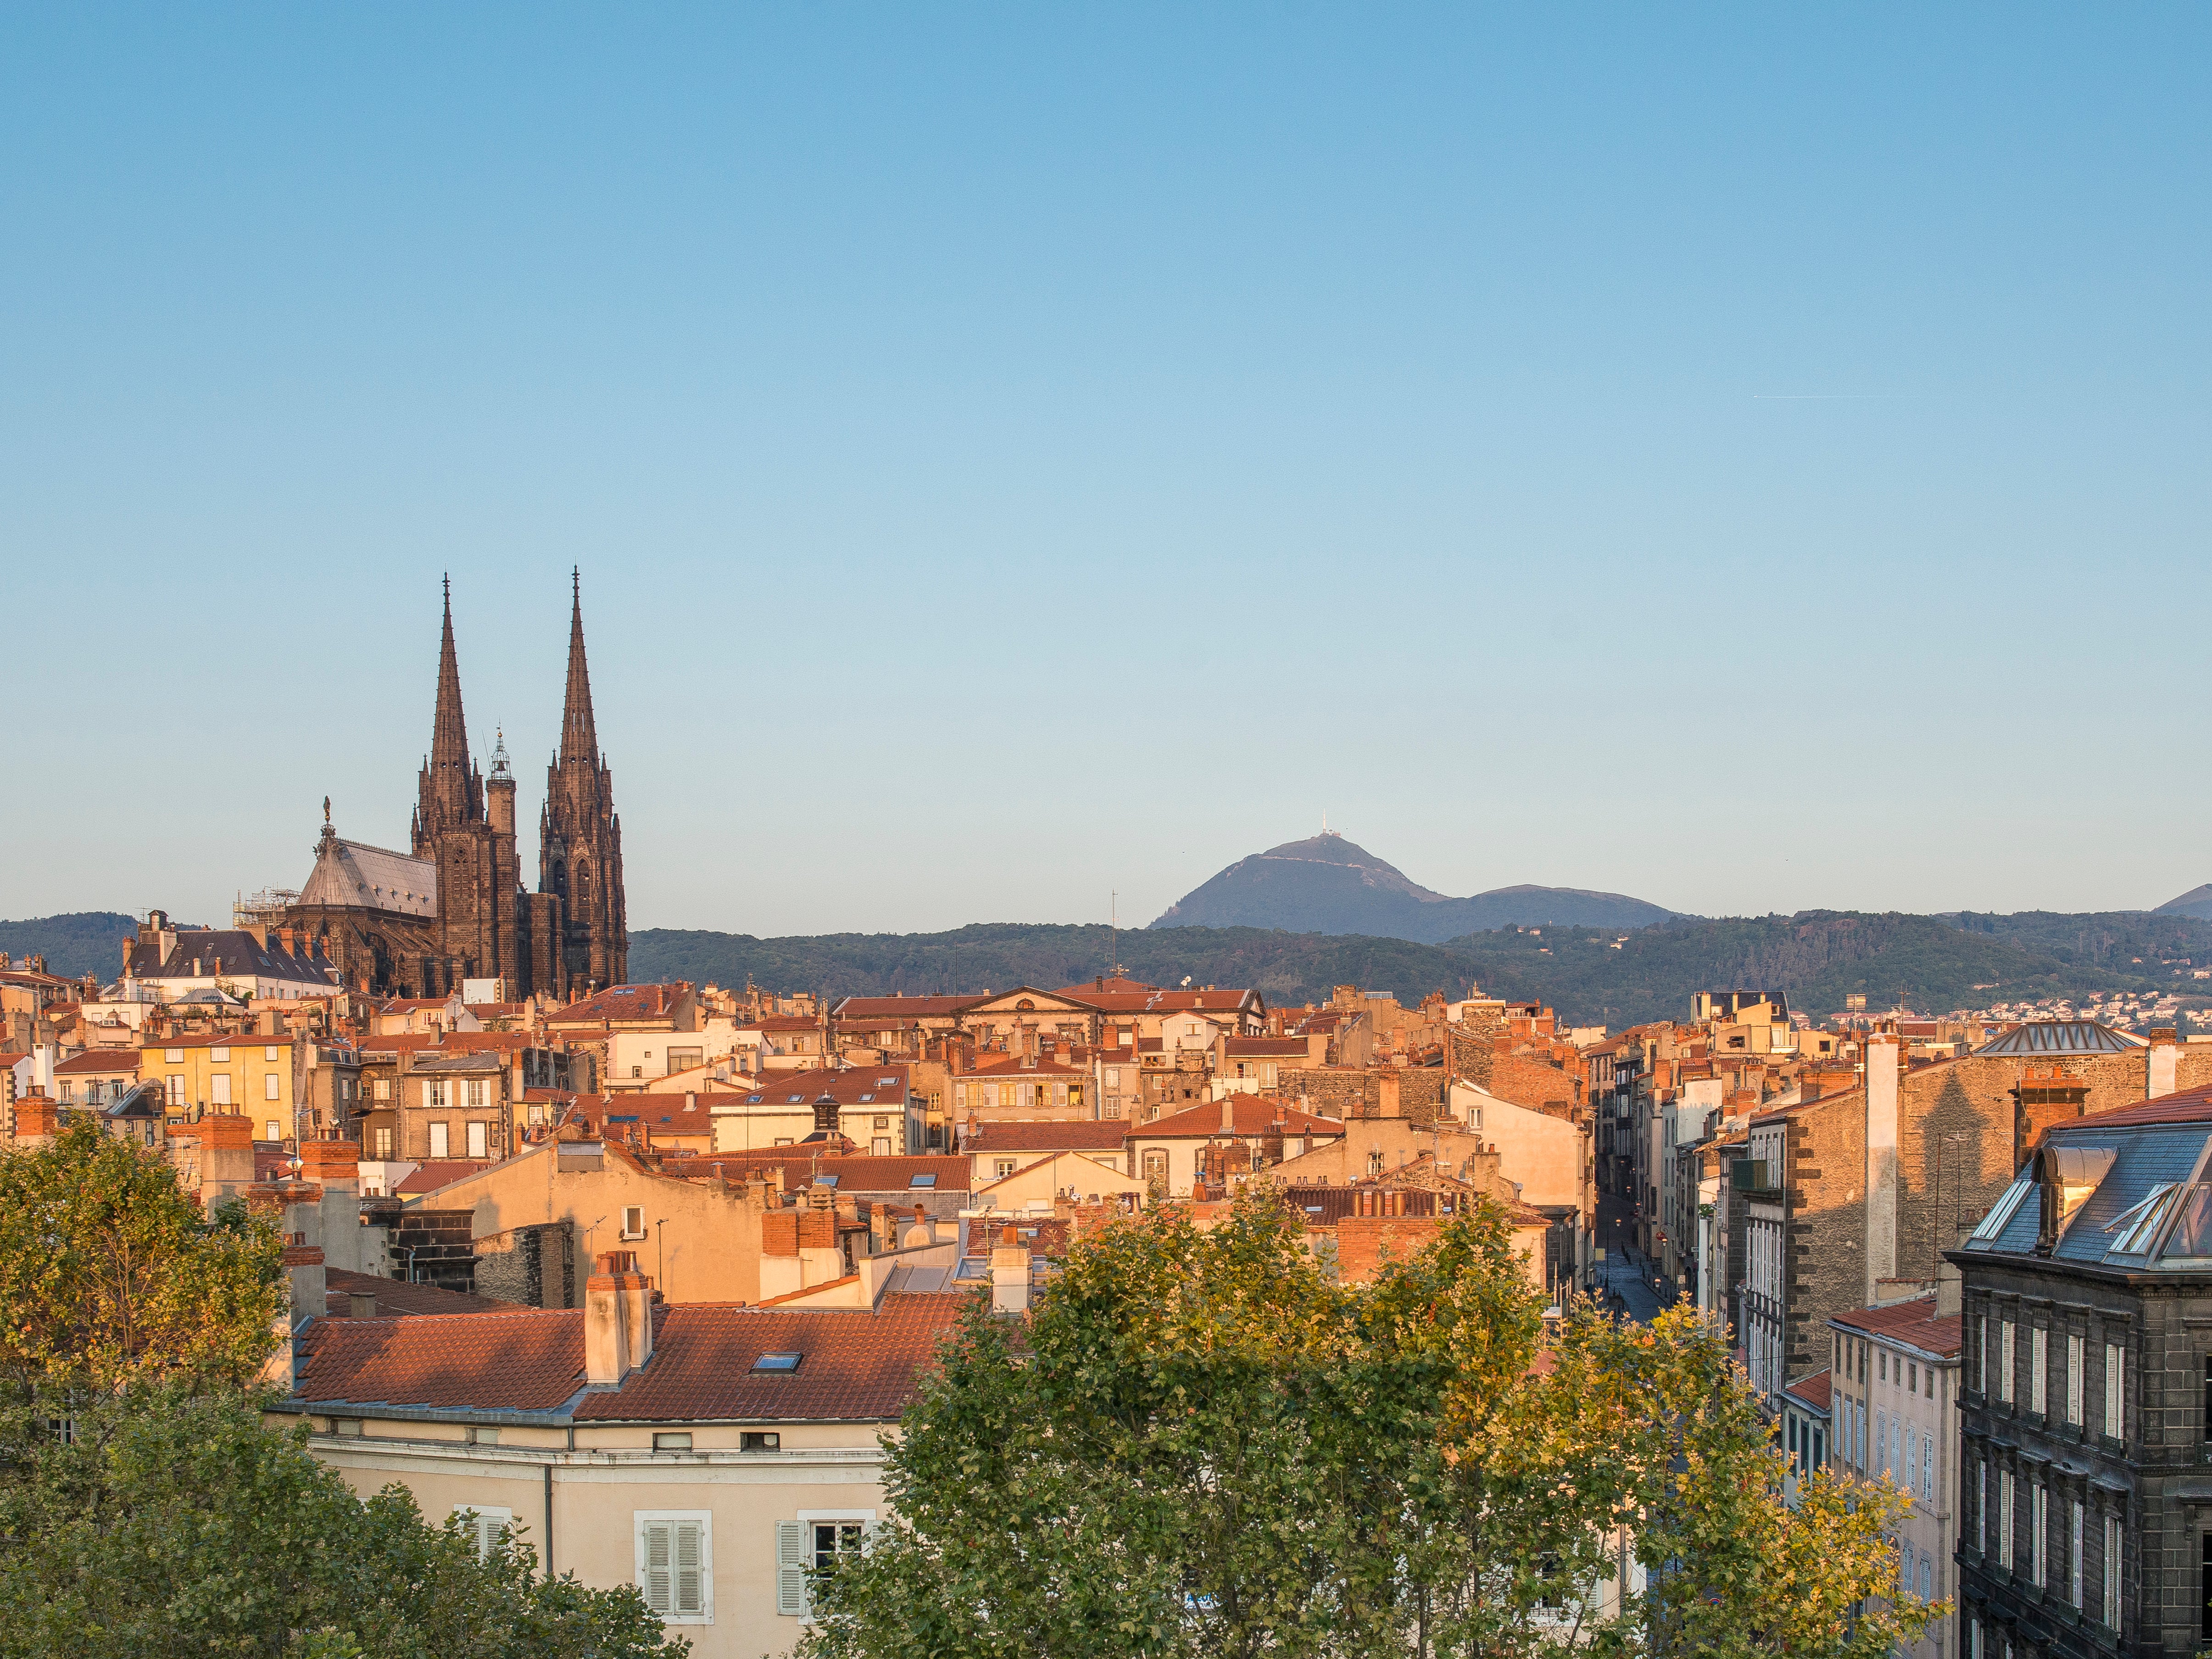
2073 1379
657 1587
691 1593
790 1570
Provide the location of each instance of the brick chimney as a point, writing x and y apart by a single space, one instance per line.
38 1119
335 1165
618 1320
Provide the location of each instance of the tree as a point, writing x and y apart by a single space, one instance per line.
1203 1443
164 1522
109 1272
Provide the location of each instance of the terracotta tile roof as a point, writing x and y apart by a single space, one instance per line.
1113 983
855 1173
1265 1048
413 1043
1814 1390
2184 1106
99 1061
1027 1136
661 1115
855 1364
780 1023
1913 1322
1223 1003
994 1068
397 1300
218 1040
436 1173
1253 1114
871 1010
884 1086
622 1004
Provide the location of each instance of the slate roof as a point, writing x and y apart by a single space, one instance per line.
353 875
855 1364
236 950
2158 1144
2040 1037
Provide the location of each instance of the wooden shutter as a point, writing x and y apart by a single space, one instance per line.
690 1570
790 1570
657 1586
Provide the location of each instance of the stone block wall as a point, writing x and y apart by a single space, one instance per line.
535 1265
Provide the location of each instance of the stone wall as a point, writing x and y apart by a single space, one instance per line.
535 1265
1346 1091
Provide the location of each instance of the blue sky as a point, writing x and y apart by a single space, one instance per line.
1748 459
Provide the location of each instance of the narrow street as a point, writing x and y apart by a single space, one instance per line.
1624 1269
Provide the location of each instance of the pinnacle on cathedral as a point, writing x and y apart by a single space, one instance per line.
579 738
579 837
451 791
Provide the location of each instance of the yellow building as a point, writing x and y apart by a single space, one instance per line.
252 1076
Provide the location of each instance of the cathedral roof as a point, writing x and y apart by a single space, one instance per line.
350 875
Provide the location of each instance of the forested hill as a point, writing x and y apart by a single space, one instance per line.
84 941
1931 964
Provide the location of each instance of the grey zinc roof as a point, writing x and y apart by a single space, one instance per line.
2039 1037
351 875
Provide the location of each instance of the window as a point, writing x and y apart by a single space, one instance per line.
672 1443
881 1146
476 1091
759 1440
438 1144
1003 1167
1982 1354
2074 1380
2112 1572
776 1362
433 1092
271 1052
926 1180
485 1527
172 1054
270 1088
219 1089
2115 1376
2038 1360
479 1436
2038 1521
1982 1508
536 1114
479 1139
276 1130
2004 1363
632 1221
2004 1519
349 1428
2074 1557
384 1146
675 1565
218 1054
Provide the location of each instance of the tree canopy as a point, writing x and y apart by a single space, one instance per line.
1204 1442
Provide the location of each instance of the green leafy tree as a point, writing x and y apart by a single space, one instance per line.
1202 1442
109 1272
165 1523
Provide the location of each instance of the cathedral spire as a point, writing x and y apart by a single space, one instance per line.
446 793
580 738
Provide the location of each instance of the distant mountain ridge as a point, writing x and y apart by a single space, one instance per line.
83 942
2197 902
1327 885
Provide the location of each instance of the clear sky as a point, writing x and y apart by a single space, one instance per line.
1746 458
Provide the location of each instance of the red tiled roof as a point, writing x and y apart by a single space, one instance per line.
855 1173
870 1010
781 1022
1113 983
660 1113
846 1087
1814 1390
438 1172
397 1299
219 1040
1248 1047
98 1060
1164 1002
1254 1114
1912 1323
854 1364
1030 1136
623 1003
2184 1106
994 1068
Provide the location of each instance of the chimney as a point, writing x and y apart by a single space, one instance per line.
361 1306
617 1320
1883 1055
333 1165
1009 1274
1229 1114
1386 1094
2165 1061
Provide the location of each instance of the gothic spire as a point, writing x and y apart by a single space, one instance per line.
447 777
580 738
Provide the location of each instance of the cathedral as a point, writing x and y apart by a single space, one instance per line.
454 909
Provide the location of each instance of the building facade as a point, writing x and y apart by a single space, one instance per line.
452 908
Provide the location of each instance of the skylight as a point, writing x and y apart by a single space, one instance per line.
885 1082
865 1099
2000 1212
825 1180
776 1362
923 1180
794 1098
2137 1226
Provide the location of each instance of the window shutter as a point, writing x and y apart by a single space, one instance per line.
690 1592
657 1587
790 1570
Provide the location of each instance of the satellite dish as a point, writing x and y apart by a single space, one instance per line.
1186 979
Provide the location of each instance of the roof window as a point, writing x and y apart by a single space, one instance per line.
2000 1212
2136 1227
776 1362
926 1180
885 1082
825 1180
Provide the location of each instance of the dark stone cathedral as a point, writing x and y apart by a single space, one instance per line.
454 908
